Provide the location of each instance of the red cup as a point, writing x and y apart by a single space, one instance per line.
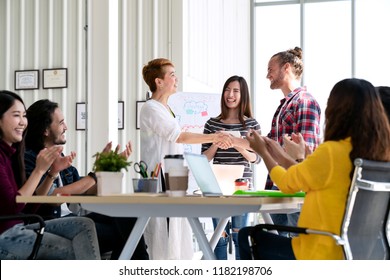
241 184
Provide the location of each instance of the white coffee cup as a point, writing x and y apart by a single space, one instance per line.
171 161
178 181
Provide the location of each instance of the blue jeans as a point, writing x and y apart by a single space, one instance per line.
269 246
237 222
285 220
73 238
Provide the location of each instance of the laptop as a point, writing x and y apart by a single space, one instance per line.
207 181
204 175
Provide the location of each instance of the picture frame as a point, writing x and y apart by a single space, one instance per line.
139 105
55 78
121 113
81 116
26 79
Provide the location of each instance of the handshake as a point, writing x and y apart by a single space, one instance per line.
229 139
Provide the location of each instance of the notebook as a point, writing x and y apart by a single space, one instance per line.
203 174
269 193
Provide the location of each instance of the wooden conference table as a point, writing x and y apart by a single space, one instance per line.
144 206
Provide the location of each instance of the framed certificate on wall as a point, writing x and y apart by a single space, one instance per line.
81 116
55 78
26 79
121 113
138 111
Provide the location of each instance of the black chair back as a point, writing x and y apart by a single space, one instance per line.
366 220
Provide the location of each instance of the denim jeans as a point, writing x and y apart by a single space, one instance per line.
269 246
285 220
237 222
73 238
113 232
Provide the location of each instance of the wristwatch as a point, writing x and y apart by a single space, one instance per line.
93 176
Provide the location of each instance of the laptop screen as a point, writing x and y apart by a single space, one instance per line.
203 174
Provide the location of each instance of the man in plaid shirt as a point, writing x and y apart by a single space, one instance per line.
298 110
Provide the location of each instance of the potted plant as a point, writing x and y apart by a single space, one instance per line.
108 167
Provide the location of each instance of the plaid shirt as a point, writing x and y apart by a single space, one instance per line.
298 112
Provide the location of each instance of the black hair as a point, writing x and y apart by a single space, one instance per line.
7 100
40 117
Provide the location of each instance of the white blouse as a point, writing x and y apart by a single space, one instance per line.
159 132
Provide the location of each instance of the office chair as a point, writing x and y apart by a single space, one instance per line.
29 218
365 229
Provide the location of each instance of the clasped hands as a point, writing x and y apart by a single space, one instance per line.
224 140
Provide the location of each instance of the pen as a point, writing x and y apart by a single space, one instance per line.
158 169
154 172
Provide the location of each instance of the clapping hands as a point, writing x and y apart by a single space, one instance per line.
296 146
125 153
257 142
62 162
46 157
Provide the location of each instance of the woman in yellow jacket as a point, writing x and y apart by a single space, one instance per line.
355 126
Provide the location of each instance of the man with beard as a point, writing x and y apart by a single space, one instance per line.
47 128
298 110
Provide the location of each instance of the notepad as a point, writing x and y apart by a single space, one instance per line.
269 193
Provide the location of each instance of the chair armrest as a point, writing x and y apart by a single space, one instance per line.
281 228
300 230
28 218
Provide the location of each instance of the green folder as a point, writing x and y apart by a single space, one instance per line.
269 193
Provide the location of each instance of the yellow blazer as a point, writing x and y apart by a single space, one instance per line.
325 178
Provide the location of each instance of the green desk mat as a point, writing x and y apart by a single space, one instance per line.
270 193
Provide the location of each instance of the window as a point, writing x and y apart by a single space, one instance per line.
372 41
326 48
340 39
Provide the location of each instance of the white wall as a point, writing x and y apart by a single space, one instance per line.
39 34
216 41
208 41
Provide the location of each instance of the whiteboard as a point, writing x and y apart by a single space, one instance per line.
193 110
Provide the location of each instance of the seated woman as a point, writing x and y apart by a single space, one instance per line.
72 238
356 126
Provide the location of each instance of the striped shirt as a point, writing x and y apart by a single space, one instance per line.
231 155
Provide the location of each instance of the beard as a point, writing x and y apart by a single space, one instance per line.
59 141
278 82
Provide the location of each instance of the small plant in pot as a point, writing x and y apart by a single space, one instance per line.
108 167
